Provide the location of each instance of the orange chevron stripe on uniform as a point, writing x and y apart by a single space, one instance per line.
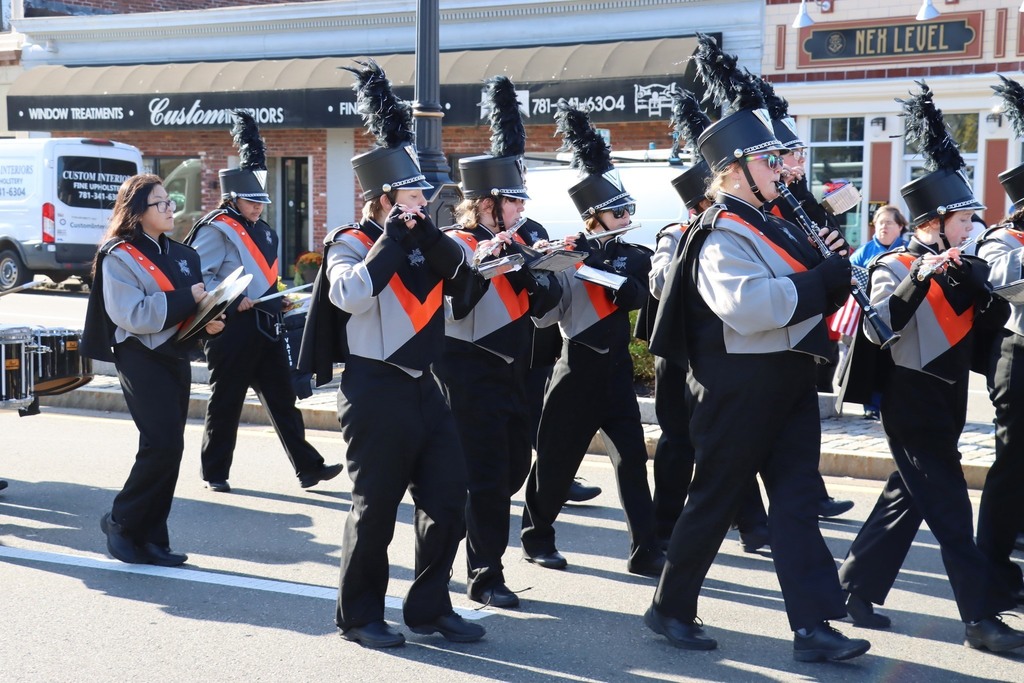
954 326
269 269
419 312
516 304
782 253
599 297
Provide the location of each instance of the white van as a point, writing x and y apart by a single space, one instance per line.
56 195
650 183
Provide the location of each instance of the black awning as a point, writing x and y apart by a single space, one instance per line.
621 81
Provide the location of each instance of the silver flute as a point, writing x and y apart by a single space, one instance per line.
938 266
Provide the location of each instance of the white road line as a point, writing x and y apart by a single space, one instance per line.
197 576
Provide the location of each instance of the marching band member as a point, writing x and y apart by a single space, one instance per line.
145 286
1001 513
378 305
673 455
486 351
929 292
251 352
591 388
743 306
794 175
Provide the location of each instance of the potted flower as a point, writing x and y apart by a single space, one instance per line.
306 267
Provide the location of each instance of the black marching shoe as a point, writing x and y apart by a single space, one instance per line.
581 493
649 564
993 635
686 635
219 485
497 595
862 613
163 556
120 546
325 473
830 507
1018 543
374 635
755 539
552 560
453 628
825 644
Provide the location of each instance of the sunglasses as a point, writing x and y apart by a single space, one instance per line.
620 211
773 160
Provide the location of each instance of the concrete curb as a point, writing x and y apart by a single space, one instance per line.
319 412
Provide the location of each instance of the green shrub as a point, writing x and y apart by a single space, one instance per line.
643 361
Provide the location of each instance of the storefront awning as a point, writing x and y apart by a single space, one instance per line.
621 81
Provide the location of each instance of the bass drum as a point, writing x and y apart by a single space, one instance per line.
16 377
58 366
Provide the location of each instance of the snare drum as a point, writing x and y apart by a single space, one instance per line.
58 366
16 377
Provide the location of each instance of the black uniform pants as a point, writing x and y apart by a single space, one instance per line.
588 391
1001 513
156 388
754 413
238 358
487 396
673 457
923 417
400 436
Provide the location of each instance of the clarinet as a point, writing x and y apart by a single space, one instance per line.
886 336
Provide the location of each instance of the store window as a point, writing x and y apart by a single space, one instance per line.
835 154
964 129
5 16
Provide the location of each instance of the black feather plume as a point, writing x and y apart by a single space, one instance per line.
688 120
252 151
1013 103
508 136
388 118
590 153
925 127
778 107
728 85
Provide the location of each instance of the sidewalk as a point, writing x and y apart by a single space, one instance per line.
850 445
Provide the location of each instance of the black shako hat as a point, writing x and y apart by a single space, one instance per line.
945 188
747 126
689 122
1012 179
393 164
249 180
503 171
601 188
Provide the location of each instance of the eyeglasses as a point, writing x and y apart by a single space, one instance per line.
620 211
164 205
773 160
799 154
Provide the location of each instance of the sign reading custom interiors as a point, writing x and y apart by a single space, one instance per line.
637 99
950 36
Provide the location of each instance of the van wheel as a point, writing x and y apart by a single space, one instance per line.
12 270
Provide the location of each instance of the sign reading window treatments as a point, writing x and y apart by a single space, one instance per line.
620 100
873 41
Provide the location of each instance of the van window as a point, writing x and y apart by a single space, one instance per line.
91 182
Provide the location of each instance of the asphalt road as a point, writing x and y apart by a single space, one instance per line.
256 600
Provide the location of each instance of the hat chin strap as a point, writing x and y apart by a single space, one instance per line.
750 180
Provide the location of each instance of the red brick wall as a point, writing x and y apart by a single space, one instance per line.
214 148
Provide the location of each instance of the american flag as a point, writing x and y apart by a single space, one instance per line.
845 320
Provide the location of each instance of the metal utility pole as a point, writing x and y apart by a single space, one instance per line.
426 110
